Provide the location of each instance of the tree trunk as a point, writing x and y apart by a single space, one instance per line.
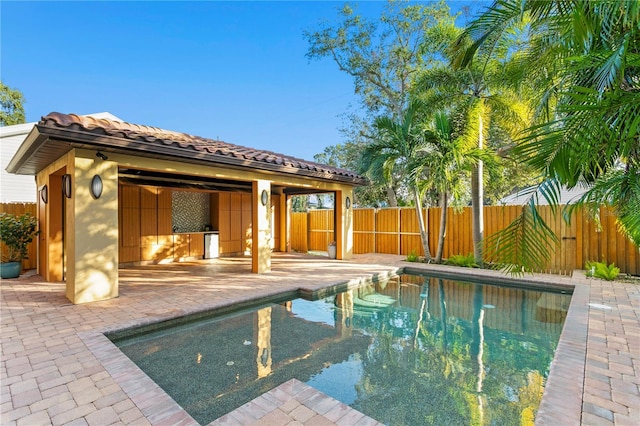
391 195
477 201
424 233
443 226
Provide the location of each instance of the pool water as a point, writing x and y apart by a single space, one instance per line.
405 351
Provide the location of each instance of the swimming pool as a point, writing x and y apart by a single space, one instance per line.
408 350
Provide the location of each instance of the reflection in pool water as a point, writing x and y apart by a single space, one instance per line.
408 350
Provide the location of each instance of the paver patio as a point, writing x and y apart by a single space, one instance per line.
58 368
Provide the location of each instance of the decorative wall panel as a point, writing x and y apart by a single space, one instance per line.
191 211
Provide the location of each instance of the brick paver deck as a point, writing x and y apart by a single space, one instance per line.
58 368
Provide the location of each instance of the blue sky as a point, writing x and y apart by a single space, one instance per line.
230 70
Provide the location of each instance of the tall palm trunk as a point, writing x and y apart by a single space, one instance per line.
477 200
391 195
424 233
443 226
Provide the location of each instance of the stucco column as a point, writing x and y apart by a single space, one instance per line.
344 223
285 214
260 227
92 237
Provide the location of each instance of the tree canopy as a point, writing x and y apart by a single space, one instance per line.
584 59
11 106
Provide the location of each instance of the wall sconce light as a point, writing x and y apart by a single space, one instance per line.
101 156
96 187
44 194
347 202
66 185
264 197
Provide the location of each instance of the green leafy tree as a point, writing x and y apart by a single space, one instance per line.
584 57
449 158
383 56
348 156
11 106
401 145
480 93
300 203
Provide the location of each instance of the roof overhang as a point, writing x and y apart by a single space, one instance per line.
45 144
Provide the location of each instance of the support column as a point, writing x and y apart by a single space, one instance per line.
344 223
260 227
92 250
285 214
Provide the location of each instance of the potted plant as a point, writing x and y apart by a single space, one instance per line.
331 249
16 232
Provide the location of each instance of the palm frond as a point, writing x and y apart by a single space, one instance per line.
523 246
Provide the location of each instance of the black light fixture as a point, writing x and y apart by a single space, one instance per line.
347 202
264 197
101 156
66 185
44 194
96 187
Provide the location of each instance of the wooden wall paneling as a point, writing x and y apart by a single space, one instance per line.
164 198
589 241
148 223
148 197
165 221
299 232
387 231
224 221
235 227
196 245
612 236
622 256
180 246
129 223
577 218
214 209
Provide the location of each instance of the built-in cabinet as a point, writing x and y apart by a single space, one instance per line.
233 211
146 227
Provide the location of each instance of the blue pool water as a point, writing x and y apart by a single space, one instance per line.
409 350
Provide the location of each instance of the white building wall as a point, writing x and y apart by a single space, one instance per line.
21 188
15 188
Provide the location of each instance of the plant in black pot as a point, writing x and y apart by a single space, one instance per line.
16 232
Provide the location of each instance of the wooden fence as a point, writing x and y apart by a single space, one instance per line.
395 231
18 209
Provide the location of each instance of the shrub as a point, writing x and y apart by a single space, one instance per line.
602 270
17 232
466 261
413 256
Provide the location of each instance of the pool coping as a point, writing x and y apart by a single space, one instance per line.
562 397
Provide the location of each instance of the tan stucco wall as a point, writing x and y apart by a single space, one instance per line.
261 247
50 263
344 215
91 225
92 266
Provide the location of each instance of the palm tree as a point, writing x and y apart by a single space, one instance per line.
399 145
448 160
585 57
480 91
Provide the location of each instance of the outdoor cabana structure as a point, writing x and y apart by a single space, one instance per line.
112 193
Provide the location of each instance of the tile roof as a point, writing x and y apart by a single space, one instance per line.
208 149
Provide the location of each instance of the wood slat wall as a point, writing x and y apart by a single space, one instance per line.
321 229
32 249
396 231
392 230
299 238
